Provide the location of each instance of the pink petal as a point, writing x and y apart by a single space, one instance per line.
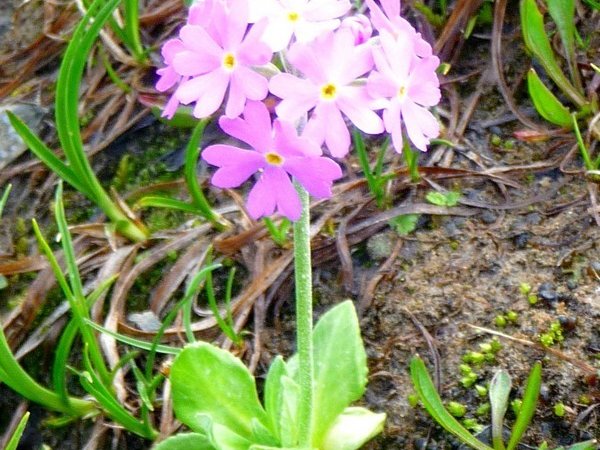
287 142
354 103
235 164
253 51
193 63
254 129
391 7
274 189
304 58
198 40
168 79
255 85
378 85
393 125
170 49
378 18
399 55
237 23
337 137
420 124
288 202
327 9
200 13
207 90
316 175
359 63
278 34
298 95
170 108
261 201
307 32
236 100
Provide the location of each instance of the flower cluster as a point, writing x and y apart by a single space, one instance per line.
374 71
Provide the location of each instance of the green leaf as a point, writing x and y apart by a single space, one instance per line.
288 417
549 107
499 391
340 367
433 404
165 202
3 281
405 224
586 445
443 199
16 436
536 39
563 14
353 428
187 441
224 438
530 397
273 396
212 382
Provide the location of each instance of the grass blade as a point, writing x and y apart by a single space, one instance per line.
192 153
530 397
434 406
47 156
16 437
4 198
171 203
499 392
563 14
138 343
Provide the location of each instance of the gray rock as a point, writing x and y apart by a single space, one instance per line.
11 144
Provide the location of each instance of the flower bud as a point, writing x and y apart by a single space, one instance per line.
360 26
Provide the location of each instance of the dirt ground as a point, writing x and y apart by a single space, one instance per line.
525 217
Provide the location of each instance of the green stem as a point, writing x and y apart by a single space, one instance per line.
304 322
192 153
412 161
13 375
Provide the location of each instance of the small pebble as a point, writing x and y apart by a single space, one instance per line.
596 266
547 293
521 240
567 323
488 217
572 284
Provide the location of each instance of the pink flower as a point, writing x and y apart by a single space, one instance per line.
168 76
213 56
389 20
409 84
331 64
360 26
304 19
277 152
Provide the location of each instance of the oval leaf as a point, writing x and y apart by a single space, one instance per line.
189 441
549 107
536 39
340 367
352 429
208 381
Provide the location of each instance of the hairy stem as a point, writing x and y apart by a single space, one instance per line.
304 322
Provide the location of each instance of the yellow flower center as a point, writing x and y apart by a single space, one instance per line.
229 61
293 16
402 92
273 158
328 91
